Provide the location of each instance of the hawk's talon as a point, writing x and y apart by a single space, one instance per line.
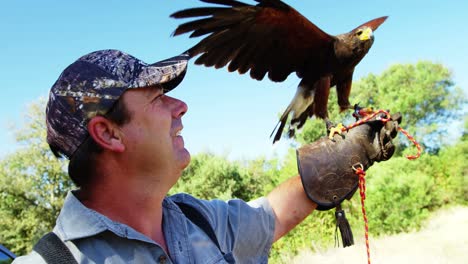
338 129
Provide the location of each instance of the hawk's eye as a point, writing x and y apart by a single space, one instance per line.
359 33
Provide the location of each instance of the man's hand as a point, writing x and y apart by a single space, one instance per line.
326 166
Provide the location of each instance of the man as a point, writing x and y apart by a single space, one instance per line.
109 114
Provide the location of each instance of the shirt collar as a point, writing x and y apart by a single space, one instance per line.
78 221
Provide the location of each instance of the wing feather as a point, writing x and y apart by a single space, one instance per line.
274 37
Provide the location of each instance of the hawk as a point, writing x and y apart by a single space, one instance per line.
273 38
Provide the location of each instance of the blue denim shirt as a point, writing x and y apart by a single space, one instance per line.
244 231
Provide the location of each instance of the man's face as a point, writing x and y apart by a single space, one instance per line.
152 137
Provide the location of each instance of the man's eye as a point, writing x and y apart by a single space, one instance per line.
156 98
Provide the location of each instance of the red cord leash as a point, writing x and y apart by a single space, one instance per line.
367 115
411 138
359 168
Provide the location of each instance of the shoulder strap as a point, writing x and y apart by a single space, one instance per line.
198 219
53 250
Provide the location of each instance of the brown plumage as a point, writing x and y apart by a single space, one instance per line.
273 38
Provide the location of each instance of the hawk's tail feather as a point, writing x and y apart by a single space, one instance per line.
279 132
282 122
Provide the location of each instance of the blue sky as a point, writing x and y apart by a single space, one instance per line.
228 113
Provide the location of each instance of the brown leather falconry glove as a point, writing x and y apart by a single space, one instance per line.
326 166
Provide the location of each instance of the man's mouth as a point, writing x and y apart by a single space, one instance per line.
178 132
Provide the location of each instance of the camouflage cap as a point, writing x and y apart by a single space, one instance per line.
91 85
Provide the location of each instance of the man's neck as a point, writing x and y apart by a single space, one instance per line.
129 204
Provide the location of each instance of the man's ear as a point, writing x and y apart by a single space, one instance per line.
106 134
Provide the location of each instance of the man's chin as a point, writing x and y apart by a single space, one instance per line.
184 158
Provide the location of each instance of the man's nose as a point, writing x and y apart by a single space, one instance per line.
179 106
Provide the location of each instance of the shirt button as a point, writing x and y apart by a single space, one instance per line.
162 259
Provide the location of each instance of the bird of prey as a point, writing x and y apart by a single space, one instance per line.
272 37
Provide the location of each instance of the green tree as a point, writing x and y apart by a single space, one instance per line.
33 184
209 176
423 92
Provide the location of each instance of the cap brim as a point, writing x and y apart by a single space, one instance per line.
168 73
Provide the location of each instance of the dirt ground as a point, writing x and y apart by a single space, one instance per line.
444 239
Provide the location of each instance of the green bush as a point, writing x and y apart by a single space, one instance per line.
214 177
317 231
398 200
401 193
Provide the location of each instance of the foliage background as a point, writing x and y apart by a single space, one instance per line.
400 193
